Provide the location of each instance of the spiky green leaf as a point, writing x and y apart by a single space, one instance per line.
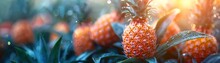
164 22
54 54
22 55
108 58
214 58
118 29
86 55
182 37
152 60
132 60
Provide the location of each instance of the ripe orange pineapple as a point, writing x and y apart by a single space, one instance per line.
82 41
139 38
102 32
201 48
22 32
81 35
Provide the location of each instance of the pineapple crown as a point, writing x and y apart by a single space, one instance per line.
136 8
203 16
68 10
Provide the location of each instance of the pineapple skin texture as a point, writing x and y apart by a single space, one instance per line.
22 33
82 41
139 40
102 32
200 49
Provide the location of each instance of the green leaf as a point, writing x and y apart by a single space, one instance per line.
41 50
182 37
54 54
108 58
118 28
23 56
164 22
214 58
171 61
132 60
86 55
152 60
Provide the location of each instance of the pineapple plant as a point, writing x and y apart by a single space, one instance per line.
133 34
22 32
40 53
201 48
140 40
81 35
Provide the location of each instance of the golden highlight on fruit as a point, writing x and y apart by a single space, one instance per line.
22 32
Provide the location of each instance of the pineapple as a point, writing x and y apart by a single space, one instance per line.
81 35
22 32
201 48
139 38
82 42
102 32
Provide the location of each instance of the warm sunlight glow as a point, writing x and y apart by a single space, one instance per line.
185 4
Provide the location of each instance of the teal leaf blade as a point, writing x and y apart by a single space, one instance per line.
54 54
108 58
118 29
182 37
23 56
132 60
164 22
214 58
152 60
86 55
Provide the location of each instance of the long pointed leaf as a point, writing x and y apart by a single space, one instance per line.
41 50
152 60
214 58
132 60
182 37
164 22
108 55
23 55
54 54
118 29
87 54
